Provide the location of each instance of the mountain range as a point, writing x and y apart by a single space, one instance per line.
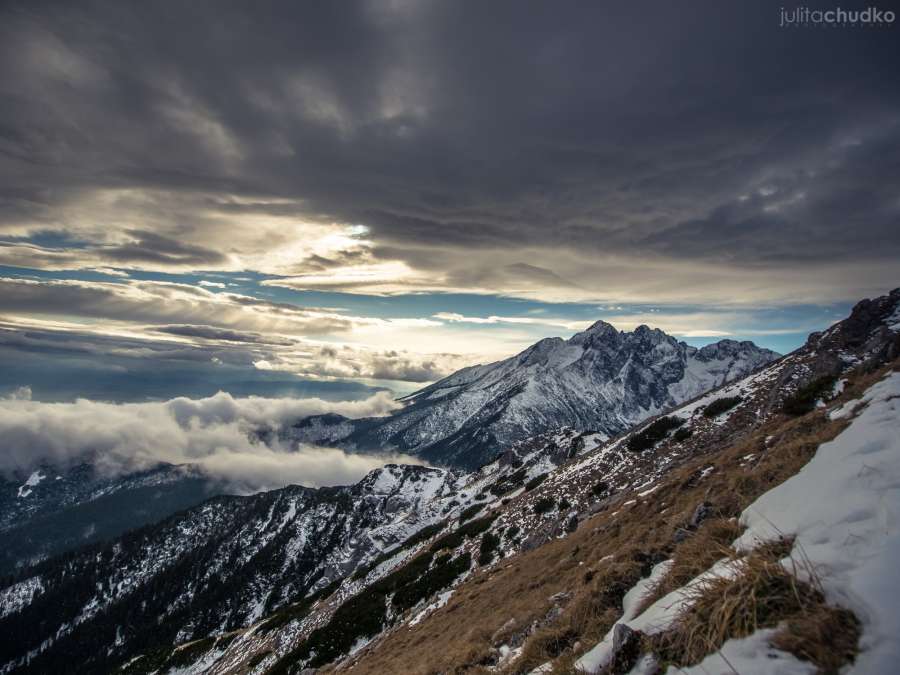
601 379
421 570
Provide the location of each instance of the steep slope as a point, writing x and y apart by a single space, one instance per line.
601 379
217 567
616 529
234 560
55 509
512 565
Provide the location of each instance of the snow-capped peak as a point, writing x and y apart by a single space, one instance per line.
600 379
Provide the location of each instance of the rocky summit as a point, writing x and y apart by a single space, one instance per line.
600 380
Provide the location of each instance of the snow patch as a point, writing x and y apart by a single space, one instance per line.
13 598
893 321
442 600
33 480
844 509
359 644
658 617
752 654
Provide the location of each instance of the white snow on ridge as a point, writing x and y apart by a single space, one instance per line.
742 387
893 321
33 480
442 600
19 595
586 382
843 507
700 376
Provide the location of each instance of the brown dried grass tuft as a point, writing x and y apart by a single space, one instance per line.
586 619
763 594
826 636
693 556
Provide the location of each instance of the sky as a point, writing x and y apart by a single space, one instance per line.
306 199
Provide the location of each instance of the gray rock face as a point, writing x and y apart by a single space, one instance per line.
869 333
625 649
870 336
601 379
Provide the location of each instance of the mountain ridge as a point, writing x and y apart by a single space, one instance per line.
600 379
81 506
53 509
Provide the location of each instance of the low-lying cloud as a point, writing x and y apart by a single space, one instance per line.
214 433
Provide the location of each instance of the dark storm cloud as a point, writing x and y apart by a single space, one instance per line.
466 136
152 247
117 349
841 207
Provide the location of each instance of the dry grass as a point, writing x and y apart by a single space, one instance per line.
763 594
544 645
587 619
693 556
826 636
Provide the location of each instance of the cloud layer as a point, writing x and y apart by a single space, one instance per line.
628 153
220 195
214 433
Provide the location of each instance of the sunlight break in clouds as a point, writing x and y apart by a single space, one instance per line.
212 433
